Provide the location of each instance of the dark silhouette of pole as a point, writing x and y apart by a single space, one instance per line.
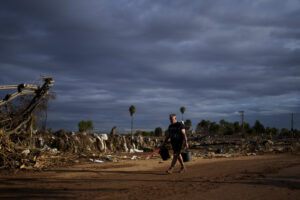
132 111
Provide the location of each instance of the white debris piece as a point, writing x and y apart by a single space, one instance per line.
26 152
54 150
134 157
131 150
45 148
103 136
98 161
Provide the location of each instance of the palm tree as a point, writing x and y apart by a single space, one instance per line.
132 111
182 110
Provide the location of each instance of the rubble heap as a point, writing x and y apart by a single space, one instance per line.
251 145
46 149
91 143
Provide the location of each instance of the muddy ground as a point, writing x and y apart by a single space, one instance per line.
250 177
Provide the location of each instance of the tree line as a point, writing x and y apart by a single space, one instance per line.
231 128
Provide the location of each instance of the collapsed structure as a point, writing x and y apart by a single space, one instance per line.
14 122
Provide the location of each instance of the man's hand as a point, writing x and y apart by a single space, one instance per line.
185 138
186 145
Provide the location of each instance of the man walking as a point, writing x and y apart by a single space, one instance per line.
177 134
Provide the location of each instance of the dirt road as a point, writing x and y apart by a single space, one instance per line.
255 177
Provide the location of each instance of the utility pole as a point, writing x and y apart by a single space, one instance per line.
242 114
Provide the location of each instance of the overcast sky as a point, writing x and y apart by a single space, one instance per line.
213 57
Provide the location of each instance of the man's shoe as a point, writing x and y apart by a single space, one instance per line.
182 170
170 171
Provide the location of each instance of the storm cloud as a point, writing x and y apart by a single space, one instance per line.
213 57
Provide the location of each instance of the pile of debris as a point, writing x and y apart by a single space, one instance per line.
46 149
210 146
91 143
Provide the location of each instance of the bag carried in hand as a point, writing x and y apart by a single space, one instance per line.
164 153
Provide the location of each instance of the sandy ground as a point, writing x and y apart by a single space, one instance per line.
254 177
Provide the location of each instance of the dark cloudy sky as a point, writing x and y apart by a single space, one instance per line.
213 57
